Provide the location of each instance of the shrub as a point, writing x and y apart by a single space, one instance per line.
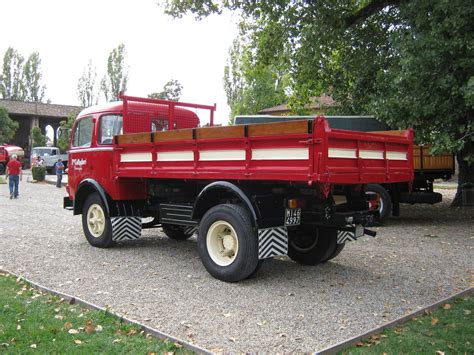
38 173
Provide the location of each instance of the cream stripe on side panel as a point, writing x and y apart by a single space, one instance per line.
186 155
135 157
396 156
371 154
217 155
342 153
280 154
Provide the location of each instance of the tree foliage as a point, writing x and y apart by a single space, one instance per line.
86 87
38 139
171 91
251 86
65 128
20 80
11 81
8 127
117 74
407 62
32 84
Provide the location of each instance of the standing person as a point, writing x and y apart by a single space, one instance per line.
14 175
59 166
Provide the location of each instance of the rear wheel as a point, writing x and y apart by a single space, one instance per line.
335 252
175 232
310 245
95 222
227 243
379 197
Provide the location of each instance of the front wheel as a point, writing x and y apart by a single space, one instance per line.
95 222
228 243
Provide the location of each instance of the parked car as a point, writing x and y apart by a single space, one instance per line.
50 156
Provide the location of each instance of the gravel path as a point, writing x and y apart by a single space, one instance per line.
425 255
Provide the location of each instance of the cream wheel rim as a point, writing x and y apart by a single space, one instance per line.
96 220
222 243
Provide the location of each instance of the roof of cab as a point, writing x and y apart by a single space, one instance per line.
116 106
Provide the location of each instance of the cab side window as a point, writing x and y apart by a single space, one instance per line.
110 126
82 135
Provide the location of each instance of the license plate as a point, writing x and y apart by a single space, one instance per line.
293 216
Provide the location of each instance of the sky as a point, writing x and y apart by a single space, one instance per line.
67 34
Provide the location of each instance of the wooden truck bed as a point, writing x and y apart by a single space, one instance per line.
296 151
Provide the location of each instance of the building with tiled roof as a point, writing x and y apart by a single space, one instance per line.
35 114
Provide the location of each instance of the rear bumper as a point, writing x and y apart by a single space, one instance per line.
331 218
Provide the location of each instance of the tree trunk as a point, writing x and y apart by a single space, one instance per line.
466 171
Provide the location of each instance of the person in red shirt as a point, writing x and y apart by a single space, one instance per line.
14 176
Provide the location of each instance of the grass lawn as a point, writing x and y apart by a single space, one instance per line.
448 330
32 321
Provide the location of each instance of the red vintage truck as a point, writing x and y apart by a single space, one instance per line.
250 192
6 151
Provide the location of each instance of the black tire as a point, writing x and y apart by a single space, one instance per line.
385 208
2 169
228 229
337 250
175 232
310 245
98 233
150 224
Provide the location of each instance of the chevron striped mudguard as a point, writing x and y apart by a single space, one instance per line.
126 228
352 232
272 242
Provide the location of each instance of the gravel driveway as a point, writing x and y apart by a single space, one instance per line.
425 255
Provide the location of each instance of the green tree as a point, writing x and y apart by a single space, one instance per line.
65 132
171 91
11 80
8 127
38 139
33 88
117 74
86 91
408 62
251 86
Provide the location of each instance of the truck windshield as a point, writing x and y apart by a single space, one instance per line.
41 152
82 133
110 126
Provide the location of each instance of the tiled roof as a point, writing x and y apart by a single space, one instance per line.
39 109
316 104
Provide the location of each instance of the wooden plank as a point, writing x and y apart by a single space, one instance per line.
220 132
393 133
267 129
177 134
134 138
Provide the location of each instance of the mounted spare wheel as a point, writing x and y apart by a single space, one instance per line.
379 199
312 245
228 243
95 222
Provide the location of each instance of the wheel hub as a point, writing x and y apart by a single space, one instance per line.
96 220
222 243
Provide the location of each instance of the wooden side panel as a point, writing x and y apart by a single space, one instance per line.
423 160
393 133
134 138
267 129
220 132
174 135
436 162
